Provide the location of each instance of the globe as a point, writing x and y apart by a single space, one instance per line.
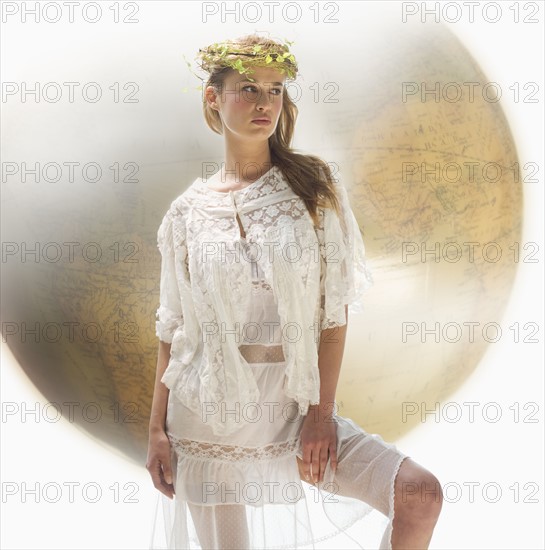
426 174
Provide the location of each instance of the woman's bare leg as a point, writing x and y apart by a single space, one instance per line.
418 498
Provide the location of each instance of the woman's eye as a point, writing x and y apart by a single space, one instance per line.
277 91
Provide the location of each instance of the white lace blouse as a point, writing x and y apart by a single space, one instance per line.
206 286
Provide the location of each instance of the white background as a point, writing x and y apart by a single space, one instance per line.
504 453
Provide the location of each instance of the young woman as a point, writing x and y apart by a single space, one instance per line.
259 265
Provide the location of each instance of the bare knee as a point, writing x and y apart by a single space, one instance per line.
418 493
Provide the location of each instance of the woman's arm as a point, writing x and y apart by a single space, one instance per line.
330 355
159 460
160 392
318 435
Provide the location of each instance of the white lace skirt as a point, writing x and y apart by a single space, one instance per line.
245 492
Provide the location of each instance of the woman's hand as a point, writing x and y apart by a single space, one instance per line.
319 440
159 464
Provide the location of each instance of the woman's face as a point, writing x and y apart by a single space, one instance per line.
242 101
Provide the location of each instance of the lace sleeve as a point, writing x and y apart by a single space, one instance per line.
169 313
344 275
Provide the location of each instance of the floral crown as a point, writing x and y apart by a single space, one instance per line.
242 58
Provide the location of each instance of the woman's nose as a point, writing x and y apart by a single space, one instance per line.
263 99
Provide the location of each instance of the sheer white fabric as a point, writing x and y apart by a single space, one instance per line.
240 497
233 365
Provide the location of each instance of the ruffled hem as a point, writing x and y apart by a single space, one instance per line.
353 510
304 524
237 479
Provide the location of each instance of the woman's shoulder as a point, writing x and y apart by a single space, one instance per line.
172 225
180 205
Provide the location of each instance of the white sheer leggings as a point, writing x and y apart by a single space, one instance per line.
221 526
366 470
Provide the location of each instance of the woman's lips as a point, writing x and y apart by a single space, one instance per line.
262 121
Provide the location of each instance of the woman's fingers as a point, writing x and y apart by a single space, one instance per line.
167 471
323 461
159 472
333 455
166 479
159 463
316 464
307 455
319 445
154 468
315 461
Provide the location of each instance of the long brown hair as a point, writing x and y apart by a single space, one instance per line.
308 175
